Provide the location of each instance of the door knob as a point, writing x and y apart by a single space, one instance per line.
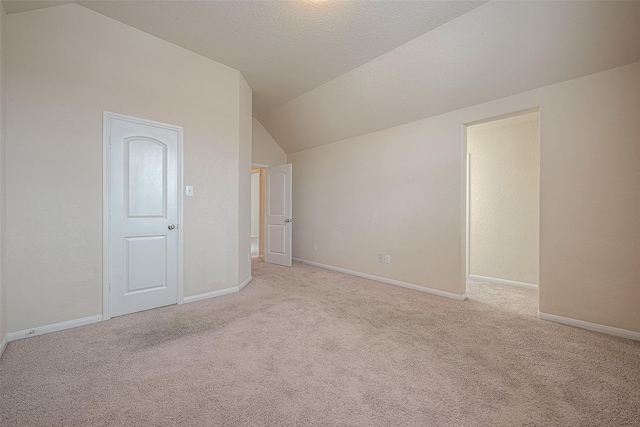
288 220
171 227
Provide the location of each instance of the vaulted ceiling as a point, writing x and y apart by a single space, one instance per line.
282 48
322 71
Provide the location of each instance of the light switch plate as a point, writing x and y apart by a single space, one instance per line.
189 190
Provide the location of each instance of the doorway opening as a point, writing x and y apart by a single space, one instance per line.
271 195
257 212
503 201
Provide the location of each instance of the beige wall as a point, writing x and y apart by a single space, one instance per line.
66 65
400 192
504 190
244 183
3 286
265 150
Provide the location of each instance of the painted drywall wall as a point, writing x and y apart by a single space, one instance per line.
264 149
65 65
255 204
504 190
400 191
3 286
244 183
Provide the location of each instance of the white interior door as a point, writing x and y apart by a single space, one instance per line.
278 215
144 215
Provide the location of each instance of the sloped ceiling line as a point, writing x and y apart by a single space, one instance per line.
325 71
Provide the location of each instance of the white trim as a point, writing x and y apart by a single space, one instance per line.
213 294
464 232
106 223
468 215
258 165
180 226
3 344
624 333
106 204
41 330
221 292
387 281
504 116
503 281
245 283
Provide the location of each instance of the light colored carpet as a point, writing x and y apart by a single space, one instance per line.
311 347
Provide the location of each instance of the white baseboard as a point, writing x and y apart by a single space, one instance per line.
503 281
213 294
3 344
624 333
387 281
40 330
226 291
245 283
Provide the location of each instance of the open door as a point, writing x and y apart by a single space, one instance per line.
278 215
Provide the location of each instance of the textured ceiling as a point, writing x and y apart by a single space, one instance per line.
17 6
496 50
323 71
285 48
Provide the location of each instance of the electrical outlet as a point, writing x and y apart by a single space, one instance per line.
387 259
315 247
379 257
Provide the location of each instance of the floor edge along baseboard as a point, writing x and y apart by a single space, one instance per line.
385 280
245 283
610 330
55 327
212 294
61 326
503 281
3 344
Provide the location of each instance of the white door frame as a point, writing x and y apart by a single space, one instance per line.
262 212
106 205
466 182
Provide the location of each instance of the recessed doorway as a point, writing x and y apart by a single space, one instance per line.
271 192
257 212
503 201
